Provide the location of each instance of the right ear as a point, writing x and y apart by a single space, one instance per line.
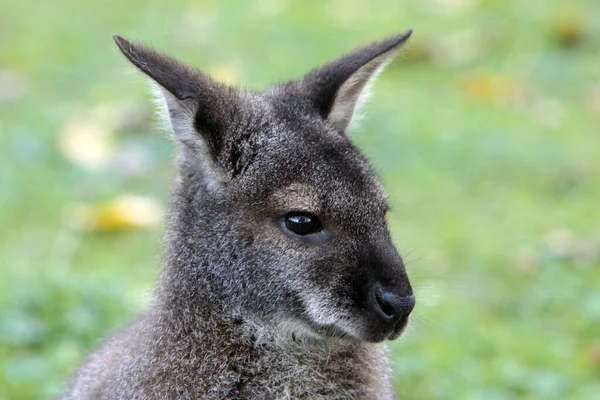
196 106
336 89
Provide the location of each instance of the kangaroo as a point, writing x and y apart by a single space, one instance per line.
279 278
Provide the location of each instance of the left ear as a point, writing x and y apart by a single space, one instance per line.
336 88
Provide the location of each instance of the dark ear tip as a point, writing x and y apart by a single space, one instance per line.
403 37
123 44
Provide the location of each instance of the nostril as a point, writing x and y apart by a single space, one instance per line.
384 302
394 306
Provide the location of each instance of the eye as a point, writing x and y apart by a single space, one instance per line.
302 224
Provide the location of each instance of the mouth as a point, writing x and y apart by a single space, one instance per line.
399 329
372 334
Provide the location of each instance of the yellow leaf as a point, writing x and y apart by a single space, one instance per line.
493 88
87 139
568 26
485 86
86 144
123 213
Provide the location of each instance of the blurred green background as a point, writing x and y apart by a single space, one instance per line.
486 133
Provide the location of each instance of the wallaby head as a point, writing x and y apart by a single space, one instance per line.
276 217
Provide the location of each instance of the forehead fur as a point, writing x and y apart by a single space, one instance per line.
296 197
301 163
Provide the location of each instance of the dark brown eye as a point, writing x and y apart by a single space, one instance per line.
302 224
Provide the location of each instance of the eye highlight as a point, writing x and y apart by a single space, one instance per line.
302 223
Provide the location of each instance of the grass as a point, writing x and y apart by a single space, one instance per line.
485 133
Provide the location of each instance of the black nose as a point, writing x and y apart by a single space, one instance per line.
393 306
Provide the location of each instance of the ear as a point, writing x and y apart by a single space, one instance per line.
336 88
197 107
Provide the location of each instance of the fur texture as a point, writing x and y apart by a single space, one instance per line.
245 308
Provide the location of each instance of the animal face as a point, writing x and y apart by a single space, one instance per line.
287 210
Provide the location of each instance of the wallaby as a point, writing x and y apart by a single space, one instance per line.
279 277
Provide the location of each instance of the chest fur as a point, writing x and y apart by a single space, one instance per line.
298 371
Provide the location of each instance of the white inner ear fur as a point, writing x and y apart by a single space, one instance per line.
353 93
177 116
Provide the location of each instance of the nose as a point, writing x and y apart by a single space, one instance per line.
392 306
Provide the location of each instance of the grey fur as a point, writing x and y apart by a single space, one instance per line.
243 308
